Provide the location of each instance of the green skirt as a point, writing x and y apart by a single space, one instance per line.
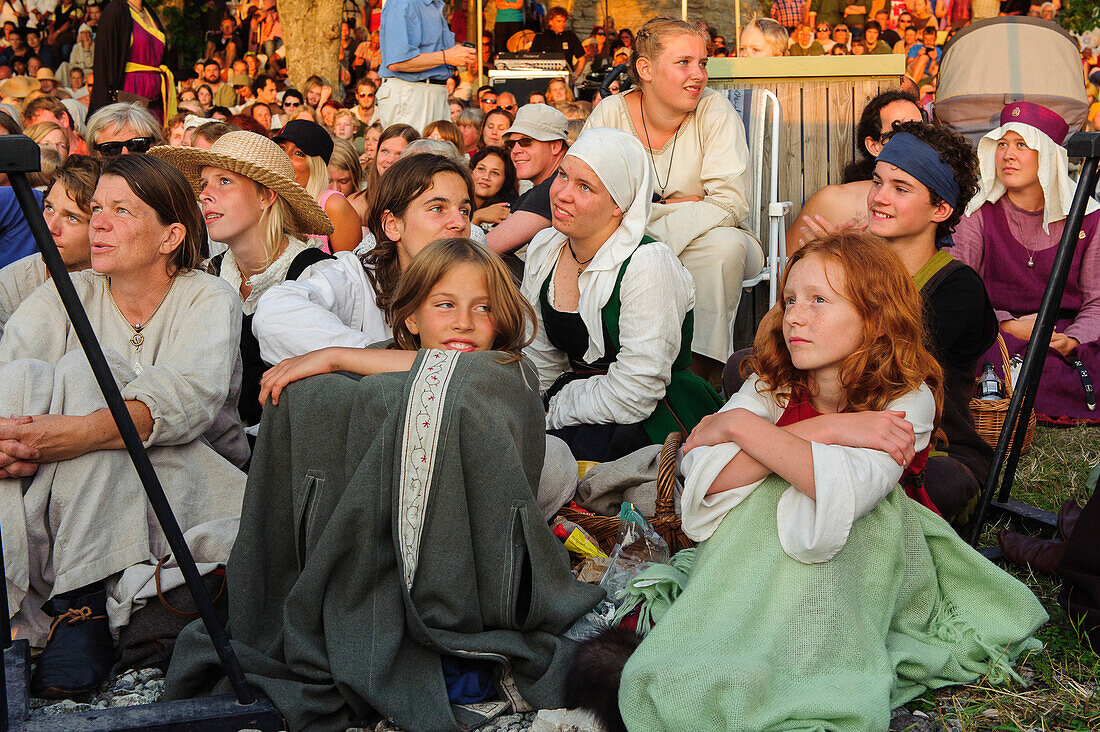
760 641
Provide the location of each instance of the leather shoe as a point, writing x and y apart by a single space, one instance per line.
1041 555
1067 518
77 656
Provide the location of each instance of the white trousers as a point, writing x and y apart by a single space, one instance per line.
719 261
414 103
87 519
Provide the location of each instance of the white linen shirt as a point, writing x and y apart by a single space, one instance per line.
656 294
849 481
331 304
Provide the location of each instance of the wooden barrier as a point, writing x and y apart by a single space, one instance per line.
822 98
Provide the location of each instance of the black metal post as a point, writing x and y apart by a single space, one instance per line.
5 641
15 152
1023 398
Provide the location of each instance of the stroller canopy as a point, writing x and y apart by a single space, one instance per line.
997 61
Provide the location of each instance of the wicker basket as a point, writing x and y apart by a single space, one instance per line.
605 529
989 417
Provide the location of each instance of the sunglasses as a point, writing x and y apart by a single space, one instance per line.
823 30
292 105
522 142
134 145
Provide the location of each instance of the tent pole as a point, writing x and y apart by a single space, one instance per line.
684 10
480 45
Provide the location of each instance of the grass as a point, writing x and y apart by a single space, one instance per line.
1061 680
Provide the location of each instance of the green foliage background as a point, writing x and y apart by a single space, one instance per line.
1079 16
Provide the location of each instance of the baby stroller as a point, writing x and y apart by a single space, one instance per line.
997 61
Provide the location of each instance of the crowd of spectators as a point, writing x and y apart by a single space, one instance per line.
621 219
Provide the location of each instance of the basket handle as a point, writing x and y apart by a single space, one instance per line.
1007 361
666 475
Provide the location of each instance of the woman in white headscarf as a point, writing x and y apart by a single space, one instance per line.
614 308
1010 236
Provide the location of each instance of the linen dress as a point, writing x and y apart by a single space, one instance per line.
806 614
708 157
86 519
997 241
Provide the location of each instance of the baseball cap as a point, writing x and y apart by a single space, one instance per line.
310 138
540 122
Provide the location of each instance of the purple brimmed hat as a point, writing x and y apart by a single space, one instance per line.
1047 121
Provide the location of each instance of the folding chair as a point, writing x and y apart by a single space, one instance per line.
761 114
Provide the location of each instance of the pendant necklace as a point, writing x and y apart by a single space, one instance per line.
580 267
247 281
649 151
137 339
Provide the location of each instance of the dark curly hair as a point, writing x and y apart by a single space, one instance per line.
958 153
870 125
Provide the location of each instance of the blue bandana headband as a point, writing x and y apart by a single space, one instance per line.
920 160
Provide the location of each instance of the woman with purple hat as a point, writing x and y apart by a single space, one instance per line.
1010 236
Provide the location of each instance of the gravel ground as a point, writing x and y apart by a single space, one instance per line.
141 686
145 686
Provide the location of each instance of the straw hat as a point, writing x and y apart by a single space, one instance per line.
256 157
45 73
19 87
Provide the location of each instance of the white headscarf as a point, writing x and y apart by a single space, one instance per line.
619 161
1054 177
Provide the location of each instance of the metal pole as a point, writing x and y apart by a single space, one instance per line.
1023 399
163 510
737 30
5 629
684 10
480 50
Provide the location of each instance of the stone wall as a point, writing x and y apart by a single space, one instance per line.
719 14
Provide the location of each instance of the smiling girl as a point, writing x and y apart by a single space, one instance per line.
496 186
695 147
422 198
456 295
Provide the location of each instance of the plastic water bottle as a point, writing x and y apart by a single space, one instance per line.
989 388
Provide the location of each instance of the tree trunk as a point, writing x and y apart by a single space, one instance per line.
311 38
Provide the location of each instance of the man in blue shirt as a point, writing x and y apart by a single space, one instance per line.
418 50
16 240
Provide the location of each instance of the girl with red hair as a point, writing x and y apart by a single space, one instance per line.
821 596
840 360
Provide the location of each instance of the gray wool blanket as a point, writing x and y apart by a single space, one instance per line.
388 522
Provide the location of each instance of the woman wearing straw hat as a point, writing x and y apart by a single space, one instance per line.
251 203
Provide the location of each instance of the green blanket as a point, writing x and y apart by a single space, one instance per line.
759 641
389 522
